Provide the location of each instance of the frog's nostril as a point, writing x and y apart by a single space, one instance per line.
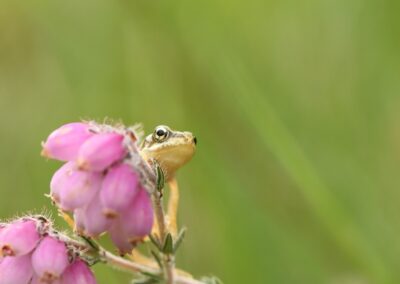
194 140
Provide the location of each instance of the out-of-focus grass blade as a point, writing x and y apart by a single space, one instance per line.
328 210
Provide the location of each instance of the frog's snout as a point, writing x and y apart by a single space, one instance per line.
194 140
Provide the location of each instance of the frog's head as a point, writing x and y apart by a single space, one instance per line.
171 149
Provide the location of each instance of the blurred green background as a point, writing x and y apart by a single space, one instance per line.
295 105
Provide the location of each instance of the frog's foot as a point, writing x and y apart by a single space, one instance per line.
173 204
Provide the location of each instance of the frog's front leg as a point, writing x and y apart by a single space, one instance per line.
173 204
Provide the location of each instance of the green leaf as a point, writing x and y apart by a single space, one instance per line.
179 239
148 278
160 177
157 258
168 245
155 241
91 242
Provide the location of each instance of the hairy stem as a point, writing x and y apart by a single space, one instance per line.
124 264
121 263
169 261
160 216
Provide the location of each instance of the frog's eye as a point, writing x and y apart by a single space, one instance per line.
160 134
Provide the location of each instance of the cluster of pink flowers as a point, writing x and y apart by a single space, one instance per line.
99 183
32 253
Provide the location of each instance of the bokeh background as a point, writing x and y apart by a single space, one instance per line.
295 105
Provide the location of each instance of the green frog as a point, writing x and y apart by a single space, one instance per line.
170 148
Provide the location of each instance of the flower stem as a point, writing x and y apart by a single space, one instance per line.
124 264
169 260
160 216
121 263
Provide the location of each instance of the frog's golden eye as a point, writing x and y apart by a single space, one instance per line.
160 134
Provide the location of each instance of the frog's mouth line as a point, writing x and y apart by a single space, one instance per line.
170 147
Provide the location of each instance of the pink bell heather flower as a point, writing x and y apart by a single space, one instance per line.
50 259
16 270
58 180
64 143
46 259
78 188
78 273
119 188
119 238
100 151
18 238
134 223
138 218
102 187
95 223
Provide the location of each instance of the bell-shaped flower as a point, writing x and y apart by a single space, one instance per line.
119 188
64 143
119 238
78 189
78 273
16 270
138 218
135 222
94 221
100 151
18 238
58 180
50 259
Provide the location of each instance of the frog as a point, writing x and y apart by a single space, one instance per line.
170 148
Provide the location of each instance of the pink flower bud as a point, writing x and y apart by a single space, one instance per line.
95 222
119 238
78 189
16 270
50 259
101 151
137 219
58 180
119 188
78 273
19 238
64 143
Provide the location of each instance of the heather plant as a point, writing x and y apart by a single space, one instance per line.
111 183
